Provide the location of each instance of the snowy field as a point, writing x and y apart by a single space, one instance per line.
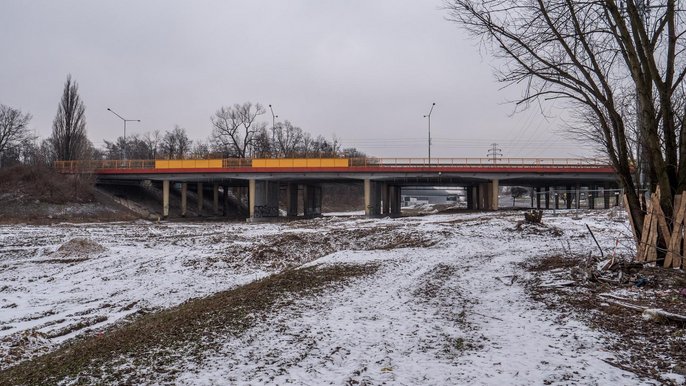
442 308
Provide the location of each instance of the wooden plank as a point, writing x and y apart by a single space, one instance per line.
645 235
662 221
651 255
680 220
674 248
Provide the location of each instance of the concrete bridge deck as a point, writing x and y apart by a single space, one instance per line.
383 178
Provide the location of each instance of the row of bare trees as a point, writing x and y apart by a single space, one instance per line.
619 66
237 133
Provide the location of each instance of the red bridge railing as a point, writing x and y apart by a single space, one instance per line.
88 166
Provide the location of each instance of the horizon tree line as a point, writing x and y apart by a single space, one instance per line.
237 132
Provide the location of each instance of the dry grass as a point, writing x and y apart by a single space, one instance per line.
648 348
153 340
29 183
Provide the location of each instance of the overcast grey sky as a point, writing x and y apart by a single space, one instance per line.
365 71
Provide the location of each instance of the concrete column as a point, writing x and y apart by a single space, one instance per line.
312 198
538 197
263 199
184 198
386 198
215 198
577 196
470 197
165 199
556 197
569 196
395 199
272 198
367 197
547 197
252 197
494 191
225 200
200 198
591 197
532 194
606 196
292 200
482 197
372 205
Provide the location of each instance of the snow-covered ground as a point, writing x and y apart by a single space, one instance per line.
443 308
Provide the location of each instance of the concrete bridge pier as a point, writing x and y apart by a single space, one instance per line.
312 200
494 190
292 200
372 198
165 198
200 198
487 195
470 192
386 198
215 198
263 199
394 200
538 197
184 198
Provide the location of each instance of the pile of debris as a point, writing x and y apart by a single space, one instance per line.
533 224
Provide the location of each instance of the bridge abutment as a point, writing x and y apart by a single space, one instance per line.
263 199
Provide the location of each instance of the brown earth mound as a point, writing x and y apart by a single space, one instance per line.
79 247
38 194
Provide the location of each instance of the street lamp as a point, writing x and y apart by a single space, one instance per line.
125 120
429 116
273 122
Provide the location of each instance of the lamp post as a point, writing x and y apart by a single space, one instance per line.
125 120
429 116
273 122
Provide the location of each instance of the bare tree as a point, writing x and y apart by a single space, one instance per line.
13 128
601 57
69 127
288 138
236 127
175 144
152 140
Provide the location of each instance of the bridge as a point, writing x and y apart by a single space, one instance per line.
262 180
